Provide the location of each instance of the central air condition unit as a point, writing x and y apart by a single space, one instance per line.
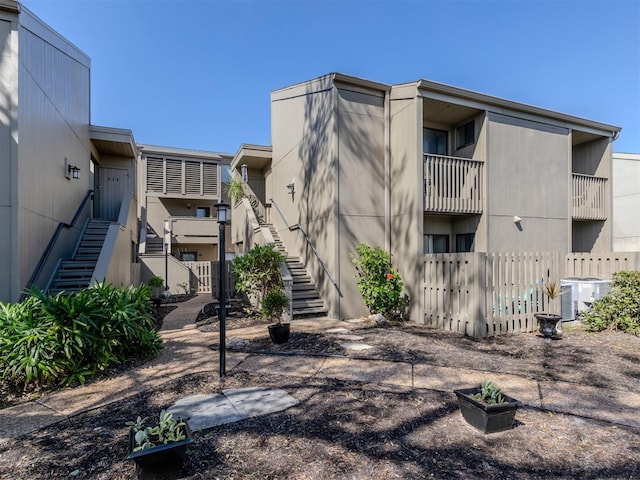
581 292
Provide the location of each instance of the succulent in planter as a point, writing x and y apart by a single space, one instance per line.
486 408
548 321
489 393
161 445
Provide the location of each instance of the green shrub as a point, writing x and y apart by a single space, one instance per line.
70 338
620 308
379 284
257 272
275 303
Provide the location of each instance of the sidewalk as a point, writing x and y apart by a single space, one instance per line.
187 351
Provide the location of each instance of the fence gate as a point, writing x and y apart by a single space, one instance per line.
201 273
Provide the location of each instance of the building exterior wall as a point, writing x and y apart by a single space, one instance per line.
407 211
50 104
304 138
626 202
527 175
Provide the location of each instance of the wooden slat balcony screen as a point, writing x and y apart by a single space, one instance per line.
189 178
452 185
589 197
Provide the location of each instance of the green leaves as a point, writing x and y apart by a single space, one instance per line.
618 310
379 284
274 303
489 393
257 272
67 339
167 430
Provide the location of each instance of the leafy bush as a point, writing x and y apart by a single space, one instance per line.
257 272
274 303
620 308
68 338
379 284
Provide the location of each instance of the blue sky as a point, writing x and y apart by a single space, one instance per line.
198 74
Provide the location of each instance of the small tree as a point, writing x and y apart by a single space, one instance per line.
257 272
379 284
235 189
274 304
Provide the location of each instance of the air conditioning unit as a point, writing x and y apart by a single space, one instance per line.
581 292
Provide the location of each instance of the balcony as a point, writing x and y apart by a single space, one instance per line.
589 197
194 230
452 185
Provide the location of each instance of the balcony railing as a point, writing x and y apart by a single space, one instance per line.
194 230
452 185
589 197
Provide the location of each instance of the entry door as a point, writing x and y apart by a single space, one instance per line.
112 185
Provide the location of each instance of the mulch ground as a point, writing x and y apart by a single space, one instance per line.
352 430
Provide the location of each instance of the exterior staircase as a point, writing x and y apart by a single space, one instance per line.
306 298
75 274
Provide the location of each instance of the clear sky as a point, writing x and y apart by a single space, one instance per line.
198 74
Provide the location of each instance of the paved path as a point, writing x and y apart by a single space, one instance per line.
187 351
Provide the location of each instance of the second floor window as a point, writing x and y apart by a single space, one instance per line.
203 212
465 135
434 141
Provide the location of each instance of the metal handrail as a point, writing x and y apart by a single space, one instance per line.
306 238
47 251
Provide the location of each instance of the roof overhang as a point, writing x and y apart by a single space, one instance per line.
185 153
255 157
113 141
468 98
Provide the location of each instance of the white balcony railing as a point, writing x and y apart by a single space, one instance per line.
452 185
589 197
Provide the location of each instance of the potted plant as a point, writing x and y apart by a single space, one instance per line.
487 408
274 304
160 446
548 322
156 284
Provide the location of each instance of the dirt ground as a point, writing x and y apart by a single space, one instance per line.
350 430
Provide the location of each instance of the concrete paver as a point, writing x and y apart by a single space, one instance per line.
187 351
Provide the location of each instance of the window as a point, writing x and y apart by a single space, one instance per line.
465 135
191 256
203 212
434 141
436 244
464 242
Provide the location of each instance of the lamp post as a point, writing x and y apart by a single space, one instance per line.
222 210
167 249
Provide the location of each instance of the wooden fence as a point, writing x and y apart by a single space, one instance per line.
206 275
486 294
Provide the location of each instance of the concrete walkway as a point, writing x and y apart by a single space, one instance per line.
187 351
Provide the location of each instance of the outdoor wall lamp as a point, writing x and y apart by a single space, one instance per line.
291 189
71 171
245 174
518 221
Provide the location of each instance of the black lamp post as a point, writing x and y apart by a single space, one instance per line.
223 218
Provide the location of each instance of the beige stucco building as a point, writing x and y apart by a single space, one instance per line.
76 197
424 167
626 202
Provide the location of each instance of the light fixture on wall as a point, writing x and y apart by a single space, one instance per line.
518 221
71 171
291 189
245 173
